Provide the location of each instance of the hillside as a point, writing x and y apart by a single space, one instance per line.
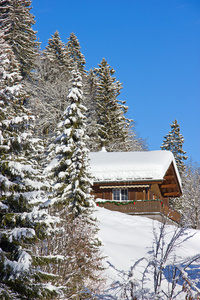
128 238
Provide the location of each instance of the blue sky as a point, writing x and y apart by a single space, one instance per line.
154 47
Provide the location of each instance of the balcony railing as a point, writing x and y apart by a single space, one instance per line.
142 207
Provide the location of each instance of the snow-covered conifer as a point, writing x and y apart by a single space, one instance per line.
91 113
113 126
71 199
73 180
173 142
49 86
54 49
58 59
74 53
16 23
22 223
10 78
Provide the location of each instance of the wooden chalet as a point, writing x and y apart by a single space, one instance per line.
138 183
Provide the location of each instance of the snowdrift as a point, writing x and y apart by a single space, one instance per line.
127 238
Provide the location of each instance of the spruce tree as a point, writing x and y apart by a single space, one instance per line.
113 126
49 86
54 49
73 180
16 22
22 223
77 61
91 113
173 142
59 61
73 50
71 199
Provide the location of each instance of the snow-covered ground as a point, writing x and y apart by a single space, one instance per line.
127 238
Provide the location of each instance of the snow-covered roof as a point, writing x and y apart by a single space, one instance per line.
131 166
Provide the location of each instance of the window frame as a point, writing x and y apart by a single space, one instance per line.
120 194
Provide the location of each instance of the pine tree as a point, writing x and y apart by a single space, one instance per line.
22 223
10 79
77 61
73 180
59 61
91 113
173 142
113 126
49 86
74 53
16 23
55 49
71 200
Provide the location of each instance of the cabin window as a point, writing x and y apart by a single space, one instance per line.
120 194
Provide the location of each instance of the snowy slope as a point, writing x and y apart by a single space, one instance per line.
128 238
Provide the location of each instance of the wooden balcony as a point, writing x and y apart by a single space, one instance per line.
148 208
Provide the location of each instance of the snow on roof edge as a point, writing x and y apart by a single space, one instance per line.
146 165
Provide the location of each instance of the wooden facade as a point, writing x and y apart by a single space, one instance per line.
142 196
142 190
